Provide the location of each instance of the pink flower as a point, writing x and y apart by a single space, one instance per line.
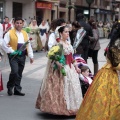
106 49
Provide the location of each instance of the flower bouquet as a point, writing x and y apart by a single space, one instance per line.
19 51
56 54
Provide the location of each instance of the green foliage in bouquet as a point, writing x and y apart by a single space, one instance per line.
56 53
27 29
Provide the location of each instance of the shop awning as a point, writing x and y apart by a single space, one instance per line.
44 5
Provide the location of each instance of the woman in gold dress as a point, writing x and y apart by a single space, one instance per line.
102 100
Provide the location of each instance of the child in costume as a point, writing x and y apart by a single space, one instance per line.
81 63
85 79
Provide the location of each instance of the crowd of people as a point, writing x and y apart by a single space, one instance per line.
68 86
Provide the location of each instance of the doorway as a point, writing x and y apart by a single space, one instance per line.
39 15
17 9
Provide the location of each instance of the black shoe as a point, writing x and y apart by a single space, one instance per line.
10 92
19 93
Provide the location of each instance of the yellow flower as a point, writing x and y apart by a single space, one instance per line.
53 50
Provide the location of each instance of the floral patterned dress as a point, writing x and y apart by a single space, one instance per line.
60 94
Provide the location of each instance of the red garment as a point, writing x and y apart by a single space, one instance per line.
1 83
6 29
69 59
8 26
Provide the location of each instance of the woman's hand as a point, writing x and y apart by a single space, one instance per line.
78 70
59 65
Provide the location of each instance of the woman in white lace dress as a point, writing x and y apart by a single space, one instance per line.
60 94
43 32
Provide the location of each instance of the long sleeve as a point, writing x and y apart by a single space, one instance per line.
20 40
52 40
95 35
5 44
30 51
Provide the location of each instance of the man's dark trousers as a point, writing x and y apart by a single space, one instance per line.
17 65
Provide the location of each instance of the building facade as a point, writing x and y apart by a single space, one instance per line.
17 8
102 10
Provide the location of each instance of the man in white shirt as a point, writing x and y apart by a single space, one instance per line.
13 40
54 37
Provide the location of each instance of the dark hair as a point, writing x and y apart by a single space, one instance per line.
18 18
76 24
92 23
60 21
80 16
61 29
53 25
6 17
113 50
84 68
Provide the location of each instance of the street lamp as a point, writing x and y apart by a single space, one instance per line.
89 4
70 6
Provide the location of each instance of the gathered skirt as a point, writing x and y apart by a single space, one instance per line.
58 94
102 100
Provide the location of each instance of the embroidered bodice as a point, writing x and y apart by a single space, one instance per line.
68 49
68 53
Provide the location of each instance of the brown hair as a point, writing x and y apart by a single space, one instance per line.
53 25
84 68
92 23
76 24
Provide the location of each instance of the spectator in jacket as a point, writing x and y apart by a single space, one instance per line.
85 41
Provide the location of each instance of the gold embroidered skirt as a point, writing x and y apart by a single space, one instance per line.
102 100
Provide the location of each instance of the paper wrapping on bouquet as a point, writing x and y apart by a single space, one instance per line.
1 83
19 51
79 37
